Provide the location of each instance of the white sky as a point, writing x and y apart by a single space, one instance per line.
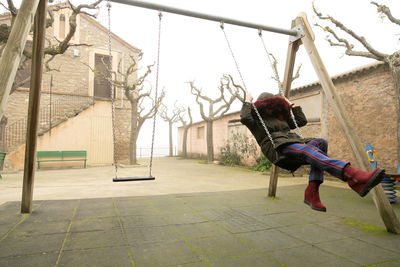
194 49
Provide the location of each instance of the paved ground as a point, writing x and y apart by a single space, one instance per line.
193 215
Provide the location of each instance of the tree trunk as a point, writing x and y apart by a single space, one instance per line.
12 53
3 124
184 142
394 65
133 157
210 145
171 153
134 133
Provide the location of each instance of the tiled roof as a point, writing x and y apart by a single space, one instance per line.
354 71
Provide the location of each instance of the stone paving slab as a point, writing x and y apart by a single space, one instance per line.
232 228
358 251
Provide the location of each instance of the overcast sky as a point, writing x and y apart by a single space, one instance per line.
194 49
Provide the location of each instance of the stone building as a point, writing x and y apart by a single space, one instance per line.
368 96
75 108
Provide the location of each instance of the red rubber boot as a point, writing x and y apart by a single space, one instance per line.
360 181
311 196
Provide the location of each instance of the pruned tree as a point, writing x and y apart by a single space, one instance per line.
54 46
216 109
139 98
275 66
186 125
240 93
392 60
171 118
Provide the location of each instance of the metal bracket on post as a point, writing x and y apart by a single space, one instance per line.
299 35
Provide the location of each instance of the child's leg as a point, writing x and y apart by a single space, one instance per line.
317 174
316 158
321 144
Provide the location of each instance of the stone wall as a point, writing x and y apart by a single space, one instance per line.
368 97
76 64
122 133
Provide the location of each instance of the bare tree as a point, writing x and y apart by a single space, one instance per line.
214 111
135 91
54 46
393 60
186 126
275 66
171 119
239 91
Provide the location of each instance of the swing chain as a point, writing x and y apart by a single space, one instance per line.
278 81
112 90
156 91
233 56
245 88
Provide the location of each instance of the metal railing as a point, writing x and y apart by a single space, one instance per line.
49 116
144 152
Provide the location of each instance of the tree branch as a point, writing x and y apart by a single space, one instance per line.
238 87
372 53
297 75
13 10
182 119
221 109
382 9
154 108
197 92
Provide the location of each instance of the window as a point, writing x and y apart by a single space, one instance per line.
102 78
61 29
200 132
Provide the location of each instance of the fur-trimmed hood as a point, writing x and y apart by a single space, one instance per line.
273 106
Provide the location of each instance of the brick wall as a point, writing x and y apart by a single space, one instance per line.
369 102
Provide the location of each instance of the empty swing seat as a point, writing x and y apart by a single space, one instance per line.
136 178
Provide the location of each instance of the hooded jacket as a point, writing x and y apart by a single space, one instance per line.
275 112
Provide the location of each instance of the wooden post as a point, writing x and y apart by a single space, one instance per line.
33 108
287 82
12 52
385 210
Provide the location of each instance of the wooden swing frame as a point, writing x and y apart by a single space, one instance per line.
11 59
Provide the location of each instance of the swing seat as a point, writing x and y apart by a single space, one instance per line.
289 164
136 178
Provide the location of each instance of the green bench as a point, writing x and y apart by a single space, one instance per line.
66 155
2 158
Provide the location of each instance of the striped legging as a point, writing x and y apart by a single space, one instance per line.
315 153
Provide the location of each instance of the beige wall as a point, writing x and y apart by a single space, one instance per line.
197 147
310 103
91 131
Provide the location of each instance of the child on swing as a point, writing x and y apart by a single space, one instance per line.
275 112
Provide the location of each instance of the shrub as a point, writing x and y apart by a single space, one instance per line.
229 156
263 164
238 146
